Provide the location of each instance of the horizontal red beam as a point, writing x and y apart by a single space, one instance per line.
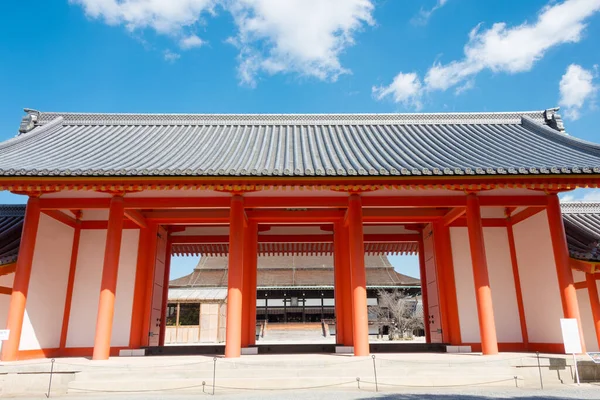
526 213
136 217
486 222
582 265
453 215
191 217
127 224
159 203
402 215
580 285
61 217
298 217
369 238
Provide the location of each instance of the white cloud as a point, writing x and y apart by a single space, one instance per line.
576 87
164 16
423 16
581 195
405 89
190 42
513 49
273 36
171 56
301 36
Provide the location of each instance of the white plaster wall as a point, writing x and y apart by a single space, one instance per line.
44 310
6 281
465 285
587 322
86 291
539 283
504 300
502 284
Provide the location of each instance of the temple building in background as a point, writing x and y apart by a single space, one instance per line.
110 197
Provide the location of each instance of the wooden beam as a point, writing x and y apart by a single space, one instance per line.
5 290
195 217
136 217
412 201
369 238
453 215
79 204
581 285
486 223
61 217
297 217
295 202
526 213
127 224
513 201
8 269
371 215
176 203
582 266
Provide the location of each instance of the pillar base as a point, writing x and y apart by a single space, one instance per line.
344 349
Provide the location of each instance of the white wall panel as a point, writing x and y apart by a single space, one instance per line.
465 285
539 283
44 310
587 321
86 291
502 284
6 281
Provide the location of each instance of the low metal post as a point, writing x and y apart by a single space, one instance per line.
50 382
375 373
358 382
540 369
214 373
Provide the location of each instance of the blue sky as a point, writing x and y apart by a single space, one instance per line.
301 56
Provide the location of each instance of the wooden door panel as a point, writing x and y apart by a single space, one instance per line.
157 314
433 312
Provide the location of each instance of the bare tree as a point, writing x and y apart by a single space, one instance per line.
398 312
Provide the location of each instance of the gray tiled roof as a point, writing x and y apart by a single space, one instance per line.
293 271
67 144
11 226
582 227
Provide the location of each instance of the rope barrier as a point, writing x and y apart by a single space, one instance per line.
446 386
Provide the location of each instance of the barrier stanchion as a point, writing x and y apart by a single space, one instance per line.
540 370
214 373
375 373
358 382
50 381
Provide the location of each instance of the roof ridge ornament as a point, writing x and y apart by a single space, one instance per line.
29 121
580 207
553 119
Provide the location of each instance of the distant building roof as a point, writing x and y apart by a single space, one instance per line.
293 272
76 144
197 294
582 227
11 225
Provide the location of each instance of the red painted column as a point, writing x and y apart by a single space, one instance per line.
517 280
233 330
359 279
18 298
165 294
338 291
485 310
566 285
443 251
108 288
594 302
346 289
423 273
250 266
150 265
70 283
139 292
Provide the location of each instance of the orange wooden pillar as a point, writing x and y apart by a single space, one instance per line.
338 291
594 302
249 285
70 282
346 289
165 294
568 293
517 280
108 288
485 310
423 273
233 329
252 246
18 298
449 301
139 292
149 264
359 279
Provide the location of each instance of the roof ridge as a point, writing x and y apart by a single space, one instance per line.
75 118
580 207
12 210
